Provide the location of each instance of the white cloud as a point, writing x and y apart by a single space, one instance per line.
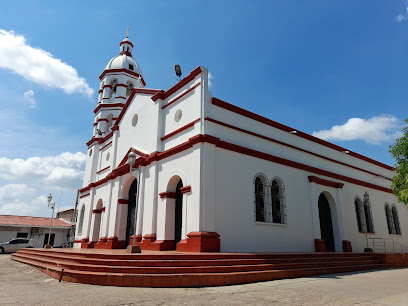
375 130
39 66
65 169
210 77
402 17
20 208
13 191
29 96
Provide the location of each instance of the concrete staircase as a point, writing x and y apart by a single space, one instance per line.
172 269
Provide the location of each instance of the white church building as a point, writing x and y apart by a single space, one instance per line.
216 177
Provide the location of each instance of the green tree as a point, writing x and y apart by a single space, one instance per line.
399 150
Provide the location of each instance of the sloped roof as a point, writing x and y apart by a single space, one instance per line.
32 221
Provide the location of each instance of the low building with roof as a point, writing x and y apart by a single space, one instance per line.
36 228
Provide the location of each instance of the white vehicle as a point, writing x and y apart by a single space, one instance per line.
16 244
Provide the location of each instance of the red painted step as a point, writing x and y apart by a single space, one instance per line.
173 269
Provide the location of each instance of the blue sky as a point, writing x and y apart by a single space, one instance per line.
337 69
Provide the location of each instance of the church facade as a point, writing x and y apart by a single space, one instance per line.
210 176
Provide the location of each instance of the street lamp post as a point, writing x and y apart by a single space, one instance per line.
52 205
132 160
366 200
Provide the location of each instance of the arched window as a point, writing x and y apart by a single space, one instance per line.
109 123
368 217
81 220
390 219
359 214
364 216
396 220
277 202
113 87
129 88
259 200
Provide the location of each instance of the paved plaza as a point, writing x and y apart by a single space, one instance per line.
23 285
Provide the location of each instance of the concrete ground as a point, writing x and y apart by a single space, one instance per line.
23 285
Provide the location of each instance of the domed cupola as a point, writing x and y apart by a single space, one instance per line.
120 76
125 60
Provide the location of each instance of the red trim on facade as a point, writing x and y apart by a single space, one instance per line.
182 95
84 195
103 119
122 70
125 53
293 164
109 143
146 91
121 85
320 181
107 105
126 42
107 137
288 129
155 156
125 158
188 125
120 97
95 124
290 146
93 139
107 86
102 170
123 201
103 209
185 189
165 94
96 211
77 241
100 90
167 195
129 100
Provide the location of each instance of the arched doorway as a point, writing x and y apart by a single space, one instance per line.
97 221
130 222
326 224
178 214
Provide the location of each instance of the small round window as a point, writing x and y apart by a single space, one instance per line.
107 156
135 119
178 115
90 152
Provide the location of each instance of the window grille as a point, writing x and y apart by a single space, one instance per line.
360 215
396 220
390 221
259 200
277 203
368 218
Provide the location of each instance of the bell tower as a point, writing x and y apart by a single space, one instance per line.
120 76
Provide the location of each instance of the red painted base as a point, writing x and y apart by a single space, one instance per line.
151 244
110 243
347 246
87 245
319 245
101 244
200 242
